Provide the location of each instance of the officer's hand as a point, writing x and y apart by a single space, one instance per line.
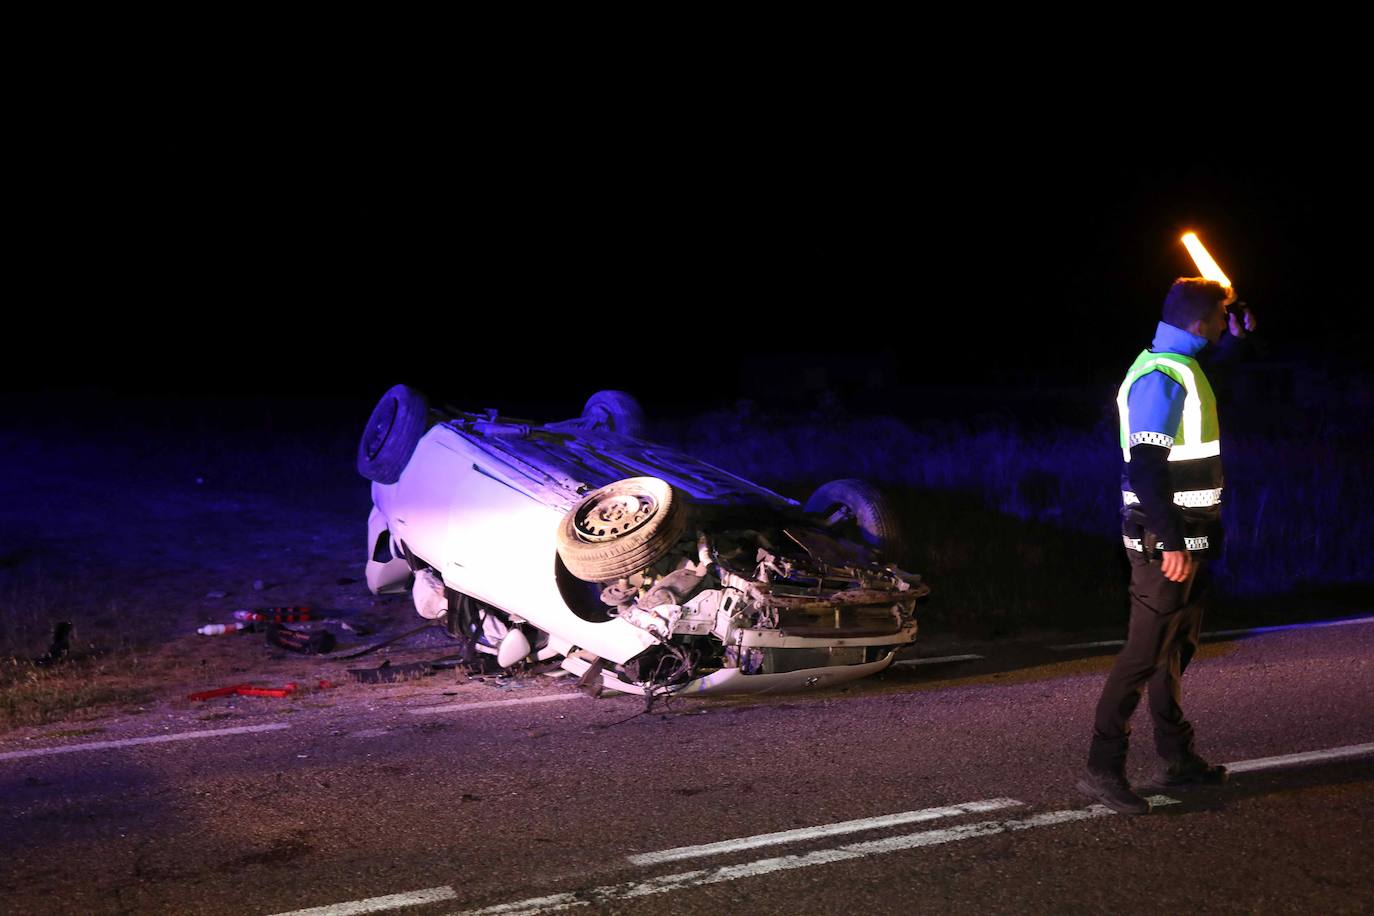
1177 565
1241 320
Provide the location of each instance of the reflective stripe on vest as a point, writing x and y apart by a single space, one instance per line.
1200 543
1188 499
1197 435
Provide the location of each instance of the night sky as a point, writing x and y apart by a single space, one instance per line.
527 282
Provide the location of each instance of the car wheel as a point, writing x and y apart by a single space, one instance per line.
617 411
859 510
396 425
621 528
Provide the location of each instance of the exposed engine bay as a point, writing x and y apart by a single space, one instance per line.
756 599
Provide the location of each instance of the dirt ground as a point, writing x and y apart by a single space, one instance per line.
140 521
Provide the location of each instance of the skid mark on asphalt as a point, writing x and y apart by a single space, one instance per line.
494 704
133 742
664 883
379 904
824 830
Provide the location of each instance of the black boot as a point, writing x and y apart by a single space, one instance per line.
1112 790
1192 770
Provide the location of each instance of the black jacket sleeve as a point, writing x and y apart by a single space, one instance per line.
1149 473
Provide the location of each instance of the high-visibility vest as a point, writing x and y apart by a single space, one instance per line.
1194 445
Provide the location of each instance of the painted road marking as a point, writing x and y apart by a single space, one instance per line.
1211 634
493 704
1101 644
1269 763
153 739
665 883
378 904
824 830
936 661
1294 626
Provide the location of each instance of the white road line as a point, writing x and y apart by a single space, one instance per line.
936 661
665 883
1211 634
1089 645
153 739
1269 763
824 830
493 704
1293 626
378 904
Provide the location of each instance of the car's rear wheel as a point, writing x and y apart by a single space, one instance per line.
859 510
396 425
617 411
621 528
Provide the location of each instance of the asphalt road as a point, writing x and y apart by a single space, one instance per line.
384 804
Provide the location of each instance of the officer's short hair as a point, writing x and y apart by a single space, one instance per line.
1191 299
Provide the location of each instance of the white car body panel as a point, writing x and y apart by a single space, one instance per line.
488 538
480 502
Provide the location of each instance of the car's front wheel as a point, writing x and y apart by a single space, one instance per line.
858 510
617 411
621 528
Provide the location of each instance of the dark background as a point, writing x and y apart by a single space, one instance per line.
689 275
212 309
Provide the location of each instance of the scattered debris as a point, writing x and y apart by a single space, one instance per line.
277 614
387 673
504 683
325 684
220 629
319 643
277 692
590 681
61 644
243 690
386 642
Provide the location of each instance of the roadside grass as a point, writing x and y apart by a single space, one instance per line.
1017 526
71 692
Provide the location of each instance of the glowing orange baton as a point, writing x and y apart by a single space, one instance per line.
1205 265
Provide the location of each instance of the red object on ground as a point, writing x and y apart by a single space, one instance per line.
243 690
326 684
275 614
216 693
277 692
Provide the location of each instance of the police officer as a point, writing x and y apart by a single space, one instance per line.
1171 495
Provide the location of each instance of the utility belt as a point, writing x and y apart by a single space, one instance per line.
1201 533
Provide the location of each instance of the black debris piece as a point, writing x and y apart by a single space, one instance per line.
318 643
387 673
61 644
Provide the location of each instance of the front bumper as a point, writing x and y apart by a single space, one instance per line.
815 638
734 680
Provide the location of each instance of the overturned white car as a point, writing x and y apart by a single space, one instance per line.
636 563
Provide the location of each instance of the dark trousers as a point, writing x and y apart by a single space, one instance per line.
1166 620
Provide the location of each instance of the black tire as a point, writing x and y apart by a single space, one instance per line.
396 425
865 515
621 528
617 411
